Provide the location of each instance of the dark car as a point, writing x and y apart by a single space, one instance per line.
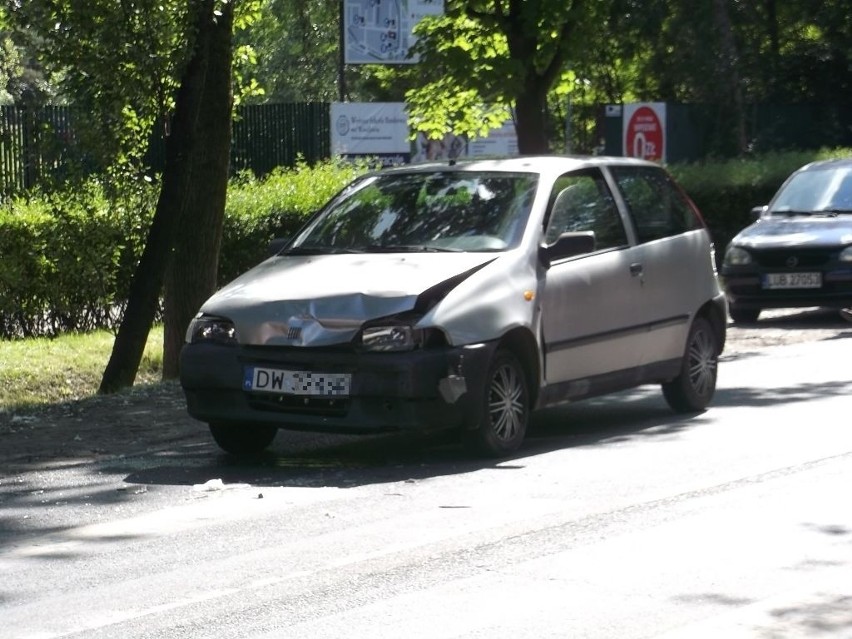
799 251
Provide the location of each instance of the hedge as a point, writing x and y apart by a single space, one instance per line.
66 260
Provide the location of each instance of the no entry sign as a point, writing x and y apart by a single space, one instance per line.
645 131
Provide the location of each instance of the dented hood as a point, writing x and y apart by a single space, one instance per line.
324 299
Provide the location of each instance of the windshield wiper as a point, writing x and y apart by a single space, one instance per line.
827 212
318 250
790 212
409 248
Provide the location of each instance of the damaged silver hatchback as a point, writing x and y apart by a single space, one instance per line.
464 295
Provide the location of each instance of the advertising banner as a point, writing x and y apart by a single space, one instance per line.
376 129
380 130
644 131
499 142
381 31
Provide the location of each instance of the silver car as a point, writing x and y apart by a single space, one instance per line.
464 295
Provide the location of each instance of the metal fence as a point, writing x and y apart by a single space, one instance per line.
34 142
37 144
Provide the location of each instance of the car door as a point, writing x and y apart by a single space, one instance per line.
672 248
589 301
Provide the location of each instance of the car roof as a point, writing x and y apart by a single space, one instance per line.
522 164
821 165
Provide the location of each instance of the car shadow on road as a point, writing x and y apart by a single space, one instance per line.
346 462
300 459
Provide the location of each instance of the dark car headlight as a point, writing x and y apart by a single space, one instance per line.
210 329
846 254
736 256
391 338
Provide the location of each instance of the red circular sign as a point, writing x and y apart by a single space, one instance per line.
644 135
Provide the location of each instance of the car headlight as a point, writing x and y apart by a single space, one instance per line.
209 329
397 337
736 256
846 254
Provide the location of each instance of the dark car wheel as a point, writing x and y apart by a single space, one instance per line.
692 390
242 439
503 417
743 315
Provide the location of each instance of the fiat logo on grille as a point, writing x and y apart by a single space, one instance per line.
792 261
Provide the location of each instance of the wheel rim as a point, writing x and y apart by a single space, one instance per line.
702 363
507 402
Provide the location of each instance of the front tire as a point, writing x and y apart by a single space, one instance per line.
743 315
243 439
692 390
504 414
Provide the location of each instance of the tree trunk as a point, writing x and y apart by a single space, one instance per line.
192 276
730 70
530 123
145 289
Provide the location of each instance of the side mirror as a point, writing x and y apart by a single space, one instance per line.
567 245
757 212
276 245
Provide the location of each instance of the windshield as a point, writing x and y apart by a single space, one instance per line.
818 191
442 211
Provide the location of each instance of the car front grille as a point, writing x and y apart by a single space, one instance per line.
298 404
792 259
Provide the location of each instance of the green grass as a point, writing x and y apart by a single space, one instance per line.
39 371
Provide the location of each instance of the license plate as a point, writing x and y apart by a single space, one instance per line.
792 280
284 382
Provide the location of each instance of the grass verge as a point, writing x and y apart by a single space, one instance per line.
39 371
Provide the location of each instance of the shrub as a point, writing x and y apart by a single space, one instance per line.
68 259
64 261
258 211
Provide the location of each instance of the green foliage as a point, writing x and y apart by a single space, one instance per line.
296 43
257 211
66 259
442 102
118 62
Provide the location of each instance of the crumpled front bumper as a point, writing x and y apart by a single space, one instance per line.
425 389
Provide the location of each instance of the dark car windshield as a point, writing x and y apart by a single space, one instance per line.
424 212
821 191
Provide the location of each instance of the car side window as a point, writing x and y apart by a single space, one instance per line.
657 206
582 202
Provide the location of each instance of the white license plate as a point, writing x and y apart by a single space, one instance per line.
792 280
284 382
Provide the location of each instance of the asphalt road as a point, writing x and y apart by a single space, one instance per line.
618 519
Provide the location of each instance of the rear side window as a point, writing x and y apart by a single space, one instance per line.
657 206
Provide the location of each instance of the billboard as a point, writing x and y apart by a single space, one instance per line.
644 131
377 129
382 31
381 130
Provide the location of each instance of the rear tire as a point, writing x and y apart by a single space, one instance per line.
504 413
692 390
743 315
243 439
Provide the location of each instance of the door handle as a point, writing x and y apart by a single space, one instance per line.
636 269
